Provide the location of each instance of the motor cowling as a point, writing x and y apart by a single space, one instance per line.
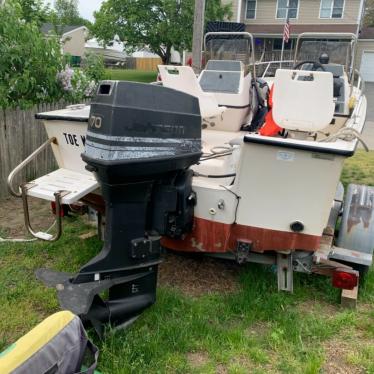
139 130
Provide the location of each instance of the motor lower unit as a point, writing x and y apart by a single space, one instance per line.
140 143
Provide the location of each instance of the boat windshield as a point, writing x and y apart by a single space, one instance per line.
228 46
339 51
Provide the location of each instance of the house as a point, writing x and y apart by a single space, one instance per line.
144 53
73 39
265 20
113 53
365 54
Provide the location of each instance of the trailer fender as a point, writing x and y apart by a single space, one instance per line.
357 226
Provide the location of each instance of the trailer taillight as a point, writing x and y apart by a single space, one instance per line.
345 279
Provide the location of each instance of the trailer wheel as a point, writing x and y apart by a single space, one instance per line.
363 270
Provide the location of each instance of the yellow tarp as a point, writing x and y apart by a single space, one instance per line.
33 341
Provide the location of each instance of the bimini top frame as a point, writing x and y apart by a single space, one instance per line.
236 33
331 36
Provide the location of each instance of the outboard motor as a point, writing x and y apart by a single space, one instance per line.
140 143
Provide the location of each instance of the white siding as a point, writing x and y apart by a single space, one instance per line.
74 42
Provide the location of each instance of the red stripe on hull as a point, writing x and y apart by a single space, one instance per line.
210 236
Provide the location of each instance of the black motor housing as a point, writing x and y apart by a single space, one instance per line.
141 140
139 130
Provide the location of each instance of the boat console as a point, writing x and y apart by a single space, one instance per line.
141 141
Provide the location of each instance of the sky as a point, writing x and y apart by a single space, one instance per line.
86 7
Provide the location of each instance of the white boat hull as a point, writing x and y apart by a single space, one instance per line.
277 185
71 138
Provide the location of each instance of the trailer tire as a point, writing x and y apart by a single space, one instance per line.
363 270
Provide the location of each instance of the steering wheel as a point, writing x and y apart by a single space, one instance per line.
315 65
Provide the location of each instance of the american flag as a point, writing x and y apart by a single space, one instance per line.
286 30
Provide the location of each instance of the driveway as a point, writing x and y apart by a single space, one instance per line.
368 133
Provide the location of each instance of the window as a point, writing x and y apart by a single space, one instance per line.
75 60
331 9
251 9
277 44
293 9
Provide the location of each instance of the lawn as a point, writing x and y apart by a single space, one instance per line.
248 328
131 75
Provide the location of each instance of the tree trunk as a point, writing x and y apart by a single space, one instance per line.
165 57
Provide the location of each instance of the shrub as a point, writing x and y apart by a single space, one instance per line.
32 65
29 61
76 84
93 66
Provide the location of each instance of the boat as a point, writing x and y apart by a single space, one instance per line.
245 180
256 181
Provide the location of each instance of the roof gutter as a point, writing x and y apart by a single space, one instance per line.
360 16
238 11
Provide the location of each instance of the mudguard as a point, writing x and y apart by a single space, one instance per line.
357 226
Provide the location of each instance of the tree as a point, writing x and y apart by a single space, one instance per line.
369 14
34 10
66 12
156 24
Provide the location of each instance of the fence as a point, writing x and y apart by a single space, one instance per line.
147 63
274 56
20 135
137 63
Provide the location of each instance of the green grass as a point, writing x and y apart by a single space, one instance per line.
359 169
254 330
131 75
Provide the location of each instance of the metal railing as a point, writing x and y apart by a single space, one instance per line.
360 85
22 192
360 82
58 218
266 56
268 69
331 36
20 166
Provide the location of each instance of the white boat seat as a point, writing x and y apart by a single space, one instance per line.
303 100
183 78
75 184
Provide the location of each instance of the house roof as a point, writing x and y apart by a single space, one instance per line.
48 27
115 45
367 33
277 30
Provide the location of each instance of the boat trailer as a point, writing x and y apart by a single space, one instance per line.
139 146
